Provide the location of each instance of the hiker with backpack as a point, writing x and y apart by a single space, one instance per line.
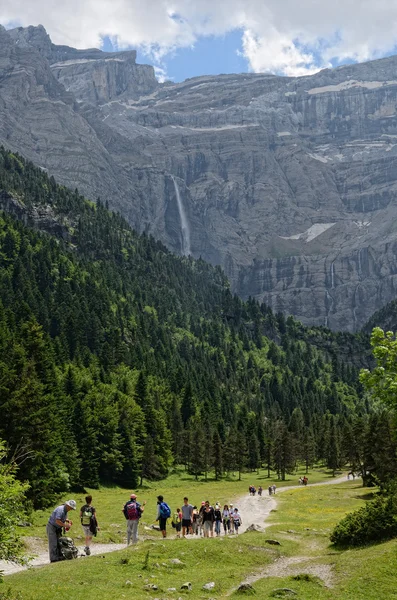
208 516
226 519
177 522
89 523
57 521
133 511
163 513
218 519
236 520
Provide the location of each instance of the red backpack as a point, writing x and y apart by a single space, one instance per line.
132 510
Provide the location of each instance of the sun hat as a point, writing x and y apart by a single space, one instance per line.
71 503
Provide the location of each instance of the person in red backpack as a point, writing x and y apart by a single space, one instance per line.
133 511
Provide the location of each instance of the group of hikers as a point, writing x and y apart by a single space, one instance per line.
271 489
303 480
187 520
203 521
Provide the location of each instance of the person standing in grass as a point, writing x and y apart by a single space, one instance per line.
163 513
218 519
56 523
133 511
274 488
89 523
208 519
195 521
187 516
177 522
226 519
236 520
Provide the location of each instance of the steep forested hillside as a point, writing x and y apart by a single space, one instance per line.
118 358
386 318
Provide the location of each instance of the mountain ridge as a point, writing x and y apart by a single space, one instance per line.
287 183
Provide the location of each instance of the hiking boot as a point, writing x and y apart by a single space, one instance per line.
87 551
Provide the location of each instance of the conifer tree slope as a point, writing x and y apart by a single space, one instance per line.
118 357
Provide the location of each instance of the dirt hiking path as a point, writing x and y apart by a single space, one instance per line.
254 510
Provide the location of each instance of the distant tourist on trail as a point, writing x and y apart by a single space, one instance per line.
163 513
177 522
305 480
260 490
218 519
89 523
208 519
187 516
226 519
270 490
274 488
195 521
133 511
236 520
57 521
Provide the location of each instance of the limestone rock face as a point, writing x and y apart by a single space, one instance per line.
289 183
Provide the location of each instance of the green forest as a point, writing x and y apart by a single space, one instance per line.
119 359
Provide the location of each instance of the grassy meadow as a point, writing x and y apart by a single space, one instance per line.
305 562
109 500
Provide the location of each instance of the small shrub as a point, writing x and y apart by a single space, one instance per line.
374 522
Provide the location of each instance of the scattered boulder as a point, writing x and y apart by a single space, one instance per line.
255 527
150 586
282 593
128 583
245 588
186 586
24 524
273 542
171 590
209 586
176 561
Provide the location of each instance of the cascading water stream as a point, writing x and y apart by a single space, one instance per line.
185 229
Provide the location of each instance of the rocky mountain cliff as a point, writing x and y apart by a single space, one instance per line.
289 183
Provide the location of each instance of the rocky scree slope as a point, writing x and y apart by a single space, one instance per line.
288 183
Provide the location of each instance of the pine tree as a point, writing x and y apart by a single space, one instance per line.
149 469
217 455
197 443
334 453
308 451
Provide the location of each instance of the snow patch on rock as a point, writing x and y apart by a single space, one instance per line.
311 233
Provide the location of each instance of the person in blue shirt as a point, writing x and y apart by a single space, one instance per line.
56 522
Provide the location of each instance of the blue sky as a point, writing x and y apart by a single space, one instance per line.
210 55
186 38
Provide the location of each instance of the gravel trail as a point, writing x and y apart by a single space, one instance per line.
254 510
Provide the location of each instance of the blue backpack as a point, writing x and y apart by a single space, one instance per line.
165 511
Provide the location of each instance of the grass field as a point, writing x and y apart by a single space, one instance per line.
305 562
109 500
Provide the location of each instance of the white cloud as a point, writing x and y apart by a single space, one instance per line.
284 36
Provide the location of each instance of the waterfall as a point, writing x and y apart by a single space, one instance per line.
332 275
330 308
185 230
360 271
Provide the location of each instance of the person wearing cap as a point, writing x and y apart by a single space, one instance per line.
57 521
133 511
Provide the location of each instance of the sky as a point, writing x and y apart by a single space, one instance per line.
185 38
